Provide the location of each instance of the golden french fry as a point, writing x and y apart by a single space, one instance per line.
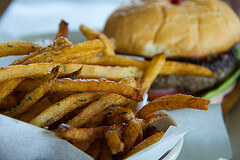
89 33
8 86
59 109
82 145
119 115
35 109
56 45
93 34
169 68
68 85
40 106
8 102
81 134
97 119
152 71
63 29
92 109
130 134
105 153
88 71
94 149
18 48
113 140
66 53
32 97
177 101
153 118
145 143
109 50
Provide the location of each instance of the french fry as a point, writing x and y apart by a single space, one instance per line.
17 48
144 144
66 53
40 106
82 145
8 86
9 102
63 29
130 134
109 50
152 71
81 134
41 69
89 33
177 101
94 149
153 118
56 45
105 153
35 109
92 109
169 68
32 97
97 119
139 138
59 109
113 140
93 34
119 115
67 85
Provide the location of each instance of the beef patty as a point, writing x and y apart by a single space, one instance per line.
221 65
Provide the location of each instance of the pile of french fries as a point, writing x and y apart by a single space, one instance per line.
88 95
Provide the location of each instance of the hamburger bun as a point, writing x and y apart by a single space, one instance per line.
192 28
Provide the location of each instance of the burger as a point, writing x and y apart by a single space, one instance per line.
202 32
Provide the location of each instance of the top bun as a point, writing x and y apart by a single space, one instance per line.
192 28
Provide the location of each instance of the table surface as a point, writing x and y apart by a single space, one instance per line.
17 24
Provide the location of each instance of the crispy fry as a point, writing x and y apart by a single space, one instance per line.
81 134
113 140
82 145
169 68
88 71
40 106
33 96
105 153
56 45
94 149
139 138
119 115
59 109
130 134
153 118
17 48
152 71
8 102
94 108
63 29
66 85
144 144
35 110
109 50
176 101
66 53
97 119
89 33
93 34
8 86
